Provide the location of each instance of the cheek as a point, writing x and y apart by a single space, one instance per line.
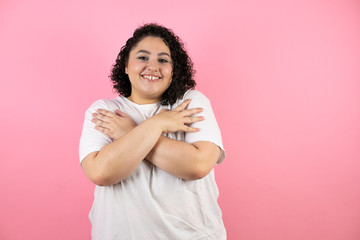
169 71
134 67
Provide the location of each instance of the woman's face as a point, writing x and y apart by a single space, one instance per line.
150 70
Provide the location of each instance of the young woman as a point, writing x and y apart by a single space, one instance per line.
151 151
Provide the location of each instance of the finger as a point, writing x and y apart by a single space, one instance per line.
98 116
103 111
102 124
189 120
102 117
105 131
97 121
106 112
190 129
183 105
121 114
192 111
102 129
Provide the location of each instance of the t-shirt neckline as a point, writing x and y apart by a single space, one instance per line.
143 106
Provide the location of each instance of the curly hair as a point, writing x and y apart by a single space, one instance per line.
183 72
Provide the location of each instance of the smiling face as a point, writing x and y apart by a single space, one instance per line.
150 70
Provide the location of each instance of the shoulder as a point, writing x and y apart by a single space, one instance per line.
194 94
108 104
198 99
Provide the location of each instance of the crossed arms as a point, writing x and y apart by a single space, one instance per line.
133 144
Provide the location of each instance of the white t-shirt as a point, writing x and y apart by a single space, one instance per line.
152 204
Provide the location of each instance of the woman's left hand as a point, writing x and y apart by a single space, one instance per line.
115 125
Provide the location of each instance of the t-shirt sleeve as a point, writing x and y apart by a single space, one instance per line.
92 140
209 129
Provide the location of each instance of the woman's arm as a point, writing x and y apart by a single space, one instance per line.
120 158
188 161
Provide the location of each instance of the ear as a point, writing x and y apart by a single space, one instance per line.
126 70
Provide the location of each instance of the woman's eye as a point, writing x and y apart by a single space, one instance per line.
142 58
161 60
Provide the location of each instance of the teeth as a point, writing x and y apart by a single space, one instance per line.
151 77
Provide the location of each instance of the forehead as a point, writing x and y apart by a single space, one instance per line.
152 45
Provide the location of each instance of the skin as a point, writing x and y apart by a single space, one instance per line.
150 70
150 76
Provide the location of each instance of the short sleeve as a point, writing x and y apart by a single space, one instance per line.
209 129
92 140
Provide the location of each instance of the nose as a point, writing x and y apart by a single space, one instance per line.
152 65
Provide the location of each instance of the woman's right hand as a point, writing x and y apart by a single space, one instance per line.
178 119
114 124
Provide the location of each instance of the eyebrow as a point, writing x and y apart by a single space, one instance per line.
147 52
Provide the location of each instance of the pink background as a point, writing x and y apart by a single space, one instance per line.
283 77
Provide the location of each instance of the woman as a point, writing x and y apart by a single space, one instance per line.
149 153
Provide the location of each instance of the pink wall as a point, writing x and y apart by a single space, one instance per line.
284 79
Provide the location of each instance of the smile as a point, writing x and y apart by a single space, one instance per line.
151 77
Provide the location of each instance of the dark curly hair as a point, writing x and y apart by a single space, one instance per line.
183 72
